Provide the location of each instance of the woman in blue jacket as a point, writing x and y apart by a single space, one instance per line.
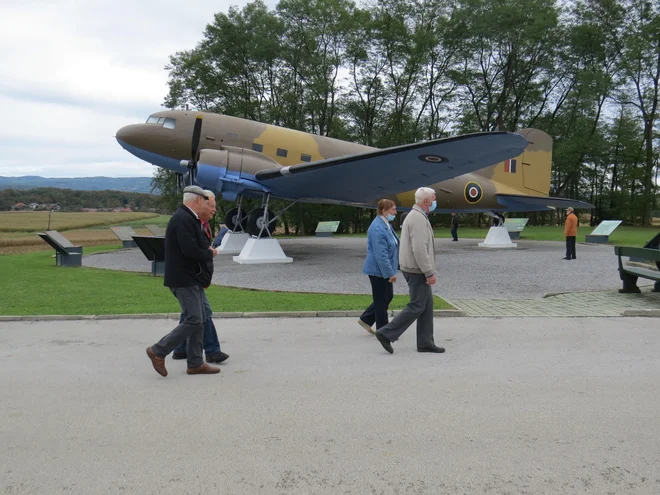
381 265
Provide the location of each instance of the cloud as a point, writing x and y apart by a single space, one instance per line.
72 73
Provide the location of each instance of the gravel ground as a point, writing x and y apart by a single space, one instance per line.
464 270
316 406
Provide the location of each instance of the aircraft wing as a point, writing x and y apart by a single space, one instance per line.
515 202
367 177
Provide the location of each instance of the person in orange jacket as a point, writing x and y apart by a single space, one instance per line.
570 232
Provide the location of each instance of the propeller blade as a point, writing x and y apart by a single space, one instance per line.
197 133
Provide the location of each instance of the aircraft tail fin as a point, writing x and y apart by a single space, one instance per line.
528 173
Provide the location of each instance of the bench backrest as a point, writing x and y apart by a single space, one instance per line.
637 252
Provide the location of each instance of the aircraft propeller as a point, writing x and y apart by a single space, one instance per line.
192 163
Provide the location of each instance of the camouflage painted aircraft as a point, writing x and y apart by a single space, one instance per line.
491 172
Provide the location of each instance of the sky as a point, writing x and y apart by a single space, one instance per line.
72 72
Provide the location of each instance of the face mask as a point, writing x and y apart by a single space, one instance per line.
391 217
433 205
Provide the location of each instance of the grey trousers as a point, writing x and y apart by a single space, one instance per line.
419 308
191 300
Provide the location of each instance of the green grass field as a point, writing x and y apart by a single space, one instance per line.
32 285
37 221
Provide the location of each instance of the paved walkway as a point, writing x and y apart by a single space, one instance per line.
597 303
515 406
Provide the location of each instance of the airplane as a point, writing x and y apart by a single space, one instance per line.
488 172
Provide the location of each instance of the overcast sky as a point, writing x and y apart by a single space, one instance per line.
73 72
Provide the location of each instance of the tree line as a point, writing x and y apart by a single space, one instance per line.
73 200
390 72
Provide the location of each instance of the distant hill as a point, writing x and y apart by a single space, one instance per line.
126 184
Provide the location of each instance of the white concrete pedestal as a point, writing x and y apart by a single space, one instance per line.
262 251
498 237
233 243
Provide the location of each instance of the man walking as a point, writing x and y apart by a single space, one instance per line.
454 227
417 260
188 269
211 343
570 232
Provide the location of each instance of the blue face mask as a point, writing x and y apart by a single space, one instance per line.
391 217
433 205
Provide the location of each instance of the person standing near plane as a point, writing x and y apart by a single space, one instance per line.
454 227
381 265
211 343
188 270
570 232
417 260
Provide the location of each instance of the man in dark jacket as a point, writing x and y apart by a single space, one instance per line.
188 271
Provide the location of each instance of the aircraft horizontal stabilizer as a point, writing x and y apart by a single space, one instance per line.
367 177
522 202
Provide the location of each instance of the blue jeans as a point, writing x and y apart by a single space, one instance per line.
211 342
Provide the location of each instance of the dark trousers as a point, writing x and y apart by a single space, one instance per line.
419 308
191 300
454 232
211 342
570 247
382 291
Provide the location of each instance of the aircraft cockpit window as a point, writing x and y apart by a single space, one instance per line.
152 120
169 123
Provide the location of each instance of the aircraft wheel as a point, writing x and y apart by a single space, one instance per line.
256 220
231 219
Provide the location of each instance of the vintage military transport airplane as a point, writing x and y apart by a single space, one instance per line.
489 172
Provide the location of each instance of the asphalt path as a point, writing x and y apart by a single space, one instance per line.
464 270
316 406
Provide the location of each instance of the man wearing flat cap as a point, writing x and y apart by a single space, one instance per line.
188 271
570 232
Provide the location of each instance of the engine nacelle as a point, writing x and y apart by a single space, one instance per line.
230 171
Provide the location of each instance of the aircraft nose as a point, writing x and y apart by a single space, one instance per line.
129 134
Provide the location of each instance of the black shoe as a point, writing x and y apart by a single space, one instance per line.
566 258
179 355
217 357
435 349
387 345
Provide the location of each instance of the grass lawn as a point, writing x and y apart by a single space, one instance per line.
32 285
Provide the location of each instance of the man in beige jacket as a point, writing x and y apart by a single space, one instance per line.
417 261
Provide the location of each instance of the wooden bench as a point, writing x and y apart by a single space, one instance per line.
630 274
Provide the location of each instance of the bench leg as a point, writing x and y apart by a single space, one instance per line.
629 284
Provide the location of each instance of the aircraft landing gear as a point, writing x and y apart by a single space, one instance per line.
260 219
236 218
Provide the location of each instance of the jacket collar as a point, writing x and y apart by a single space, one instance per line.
419 209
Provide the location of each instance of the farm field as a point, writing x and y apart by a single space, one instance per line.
18 229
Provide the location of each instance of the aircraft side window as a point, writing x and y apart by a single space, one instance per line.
281 152
169 123
152 120
161 120
258 147
305 157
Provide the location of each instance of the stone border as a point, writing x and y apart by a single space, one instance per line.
438 313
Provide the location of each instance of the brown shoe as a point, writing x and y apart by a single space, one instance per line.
204 369
157 361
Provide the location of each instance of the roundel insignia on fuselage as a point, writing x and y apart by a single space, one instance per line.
433 158
473 192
